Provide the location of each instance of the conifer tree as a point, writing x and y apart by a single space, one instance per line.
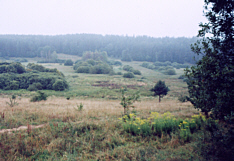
160 89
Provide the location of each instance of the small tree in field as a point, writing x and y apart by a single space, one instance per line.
160 89
127 101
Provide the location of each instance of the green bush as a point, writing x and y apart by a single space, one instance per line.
216 141
183 98
40 80
128 75
68 62
157 63
117 63
128 68
39 97
59 85
35 87
101 68
136 72
15 67
181 77
119 73
93 67
13 85
145 64
170 72
83 69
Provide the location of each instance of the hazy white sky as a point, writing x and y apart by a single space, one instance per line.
156 18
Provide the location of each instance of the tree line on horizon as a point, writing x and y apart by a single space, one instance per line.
140 48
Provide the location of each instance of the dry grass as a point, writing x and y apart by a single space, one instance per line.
95 108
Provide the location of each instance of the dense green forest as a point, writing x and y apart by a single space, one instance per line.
139 48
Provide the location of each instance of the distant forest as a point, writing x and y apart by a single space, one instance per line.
139 48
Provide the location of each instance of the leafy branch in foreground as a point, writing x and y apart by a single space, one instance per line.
210 82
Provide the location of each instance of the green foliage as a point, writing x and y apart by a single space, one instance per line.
21 60
12 101
30 80
128 75
101 68
79 107
127 101
136 72
68 62
12 85
83 69
97 56
126 56
119 73
39 97
216 142
93 67
170 72
162 124
128 68
52 61
145 64
60 85
35 87
210 82
139 48
15 67
182 98
40 68
160 89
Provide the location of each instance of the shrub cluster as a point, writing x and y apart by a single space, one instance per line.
15 67
31 81
128 75
39 97
36 78
130 69
92 67
39 68
97 56
116 63
157 65
68 62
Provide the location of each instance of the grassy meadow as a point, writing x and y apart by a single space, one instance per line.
90 125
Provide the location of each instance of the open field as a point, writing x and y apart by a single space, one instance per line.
87 126
94 132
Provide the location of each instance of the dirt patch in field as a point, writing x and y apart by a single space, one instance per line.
28 127
111 85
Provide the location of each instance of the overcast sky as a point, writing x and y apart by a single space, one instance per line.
156 18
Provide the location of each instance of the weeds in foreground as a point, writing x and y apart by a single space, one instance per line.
79 107
39 97
12 101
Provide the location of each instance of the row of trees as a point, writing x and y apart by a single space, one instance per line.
140 48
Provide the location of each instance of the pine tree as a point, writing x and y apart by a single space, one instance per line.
160 89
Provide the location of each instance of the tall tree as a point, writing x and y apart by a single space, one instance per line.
211 81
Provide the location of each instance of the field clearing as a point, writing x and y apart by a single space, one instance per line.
83 122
